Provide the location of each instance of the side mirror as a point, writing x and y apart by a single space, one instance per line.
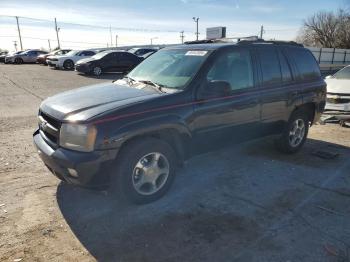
328 77
215 88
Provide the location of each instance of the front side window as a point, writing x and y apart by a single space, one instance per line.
172 68
234 67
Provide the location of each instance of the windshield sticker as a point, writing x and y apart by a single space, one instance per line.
196 53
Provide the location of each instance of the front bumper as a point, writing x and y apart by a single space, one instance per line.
9 60
345 107
82 68
52 63
93 168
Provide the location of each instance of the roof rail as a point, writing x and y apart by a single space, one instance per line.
199 42
262 41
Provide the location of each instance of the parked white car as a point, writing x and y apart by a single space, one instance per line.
68 60
338 93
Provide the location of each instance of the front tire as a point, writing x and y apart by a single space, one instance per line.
18 61
145 171
295 133
97 71
68 65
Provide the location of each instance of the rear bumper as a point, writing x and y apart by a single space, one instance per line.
92 169
41 60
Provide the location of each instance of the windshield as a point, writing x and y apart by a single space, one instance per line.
100 55
72 53
133 50
343 73
170 68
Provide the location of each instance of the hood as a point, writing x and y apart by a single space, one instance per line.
83 103
339 86
85 60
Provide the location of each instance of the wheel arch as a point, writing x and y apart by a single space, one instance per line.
176 139
310 108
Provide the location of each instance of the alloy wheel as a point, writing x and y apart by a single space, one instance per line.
297 132
150 173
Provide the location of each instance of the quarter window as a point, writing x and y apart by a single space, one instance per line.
234 67
306 63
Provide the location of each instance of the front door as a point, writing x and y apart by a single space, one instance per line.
235 116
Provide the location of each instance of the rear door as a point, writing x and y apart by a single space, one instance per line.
277 87
235 116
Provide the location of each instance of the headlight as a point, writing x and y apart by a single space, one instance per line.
78 137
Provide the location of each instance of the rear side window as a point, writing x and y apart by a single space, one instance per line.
285 68
270 66
305 63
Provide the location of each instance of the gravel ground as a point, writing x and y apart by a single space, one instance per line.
245 202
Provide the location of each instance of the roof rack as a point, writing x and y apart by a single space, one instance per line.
198 42
205 41
262 41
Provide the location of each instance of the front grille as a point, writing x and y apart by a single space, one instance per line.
338 100
49 128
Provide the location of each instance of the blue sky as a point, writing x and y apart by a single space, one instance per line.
153 18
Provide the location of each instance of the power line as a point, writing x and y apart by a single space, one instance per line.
97 26
45 39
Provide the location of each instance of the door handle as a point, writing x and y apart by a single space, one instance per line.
294 93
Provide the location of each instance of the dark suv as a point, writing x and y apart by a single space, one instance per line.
135 132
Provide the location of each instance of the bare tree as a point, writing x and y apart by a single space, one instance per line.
326 29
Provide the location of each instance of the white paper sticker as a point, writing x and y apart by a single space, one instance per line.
196 53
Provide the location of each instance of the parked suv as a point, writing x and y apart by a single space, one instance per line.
135 132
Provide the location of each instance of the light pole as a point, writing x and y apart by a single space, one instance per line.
153 39
116 40
19 33
58 39
196 19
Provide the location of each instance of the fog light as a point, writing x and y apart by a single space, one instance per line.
73 172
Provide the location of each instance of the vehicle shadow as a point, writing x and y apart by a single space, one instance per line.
106 76
195 220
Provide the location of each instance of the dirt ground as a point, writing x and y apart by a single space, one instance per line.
245 202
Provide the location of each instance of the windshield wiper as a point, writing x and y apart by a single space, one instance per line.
151 83
130 80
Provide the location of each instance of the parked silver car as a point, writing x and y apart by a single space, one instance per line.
28 56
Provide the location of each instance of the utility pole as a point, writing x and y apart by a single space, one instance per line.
182 36
196 19
110 34
58 39
116 40
48 40
19 34
261 32
15 44
152 39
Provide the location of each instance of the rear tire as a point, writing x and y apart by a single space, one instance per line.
68 65
295 132
144 171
